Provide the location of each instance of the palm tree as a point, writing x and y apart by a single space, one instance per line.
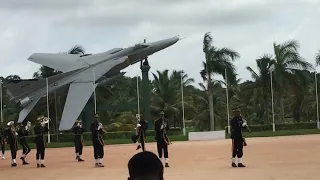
167 95
286 62
216 61
262 83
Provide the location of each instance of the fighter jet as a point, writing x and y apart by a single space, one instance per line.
81 74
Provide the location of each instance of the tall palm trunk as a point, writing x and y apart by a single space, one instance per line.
210 97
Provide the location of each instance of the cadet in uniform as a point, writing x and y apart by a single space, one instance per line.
139 137
2 141
23 132
97 141
12 138
39 130
237 124
78 139
161 127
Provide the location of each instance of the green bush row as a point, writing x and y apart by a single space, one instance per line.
107 142
69 137
280 127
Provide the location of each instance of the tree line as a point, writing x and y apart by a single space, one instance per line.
293 80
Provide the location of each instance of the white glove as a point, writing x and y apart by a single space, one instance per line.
138 125
244 124
26 128
99 127
161 127
16 134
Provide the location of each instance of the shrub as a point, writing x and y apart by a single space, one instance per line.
279 127
69 137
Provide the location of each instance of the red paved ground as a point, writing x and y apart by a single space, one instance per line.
294 158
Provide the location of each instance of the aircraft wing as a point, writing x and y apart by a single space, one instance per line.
78 96
81 90
60 62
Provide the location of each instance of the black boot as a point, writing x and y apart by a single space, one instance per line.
80 160
14 164
24 162
38 165
138 147
42 165
234 165
166 165
241 165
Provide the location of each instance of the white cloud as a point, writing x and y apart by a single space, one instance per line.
248 26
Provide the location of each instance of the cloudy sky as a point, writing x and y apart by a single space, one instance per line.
248 26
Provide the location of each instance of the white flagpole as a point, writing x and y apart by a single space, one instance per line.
48 110
1 101
182 104
271 87
138 95
94 91
227 97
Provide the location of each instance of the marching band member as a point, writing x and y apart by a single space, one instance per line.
23 132
39 131
237 124
78 139
11 136
139 137
2 142
161 126
97 141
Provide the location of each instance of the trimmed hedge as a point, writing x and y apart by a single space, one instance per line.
107 142
69 137
280 127
280 133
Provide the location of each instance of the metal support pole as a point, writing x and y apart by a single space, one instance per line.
227 96
271 86
48 109
317 100
182 105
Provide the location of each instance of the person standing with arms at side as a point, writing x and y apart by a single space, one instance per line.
97 141
161 127
12 137
237 124
23 132
2 141
78 139
39 130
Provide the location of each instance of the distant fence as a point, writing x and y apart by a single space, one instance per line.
206 135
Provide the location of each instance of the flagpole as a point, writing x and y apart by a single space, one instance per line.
1 101
182 104
272 106
317 100
94 91
48 110
227 97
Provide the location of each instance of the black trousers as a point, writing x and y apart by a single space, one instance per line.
237 147
141 139
40 150
78 147
25 148
3 145
162 146
98 150
13 149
